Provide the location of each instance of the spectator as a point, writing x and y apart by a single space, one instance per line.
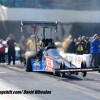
40 43
94 49
22 45
31 43
75 40
2 52
84 42
99 52
80 46
69 45
11 49
88 47
94 36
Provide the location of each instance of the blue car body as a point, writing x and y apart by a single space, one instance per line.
55 56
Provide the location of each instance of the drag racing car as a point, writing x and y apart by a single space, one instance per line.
48 58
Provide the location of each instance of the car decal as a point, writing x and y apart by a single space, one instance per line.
49 64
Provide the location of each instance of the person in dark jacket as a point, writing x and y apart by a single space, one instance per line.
94 50
70 45
84 42
88 47
11 49
80 46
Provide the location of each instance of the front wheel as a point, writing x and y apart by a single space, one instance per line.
62 66
83 65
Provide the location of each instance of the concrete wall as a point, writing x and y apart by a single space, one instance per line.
30 14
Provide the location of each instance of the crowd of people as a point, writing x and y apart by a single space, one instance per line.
84 45
81 45
24 44
77 46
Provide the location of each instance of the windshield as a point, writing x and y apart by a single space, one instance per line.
52 52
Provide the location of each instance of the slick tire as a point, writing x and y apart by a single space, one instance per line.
62 66
28 65
83 65
54 71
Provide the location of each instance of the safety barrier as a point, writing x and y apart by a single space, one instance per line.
77 59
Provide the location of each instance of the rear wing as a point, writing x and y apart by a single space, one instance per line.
37 24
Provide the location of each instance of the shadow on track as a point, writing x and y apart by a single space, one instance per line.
67 78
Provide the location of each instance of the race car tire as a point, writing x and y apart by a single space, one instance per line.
83 65
62 66
54 71
28 67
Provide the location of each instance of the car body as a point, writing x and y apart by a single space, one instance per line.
49 60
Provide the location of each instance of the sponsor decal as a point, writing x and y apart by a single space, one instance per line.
76 59
49 63
36 66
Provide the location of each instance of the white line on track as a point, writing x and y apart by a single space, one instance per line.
2 72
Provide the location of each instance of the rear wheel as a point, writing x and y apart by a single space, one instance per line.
62 66
54 71
83 65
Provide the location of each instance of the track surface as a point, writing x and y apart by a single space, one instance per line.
69 88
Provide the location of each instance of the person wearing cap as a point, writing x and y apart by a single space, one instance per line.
31 43
94 50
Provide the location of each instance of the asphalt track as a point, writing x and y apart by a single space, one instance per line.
69 88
